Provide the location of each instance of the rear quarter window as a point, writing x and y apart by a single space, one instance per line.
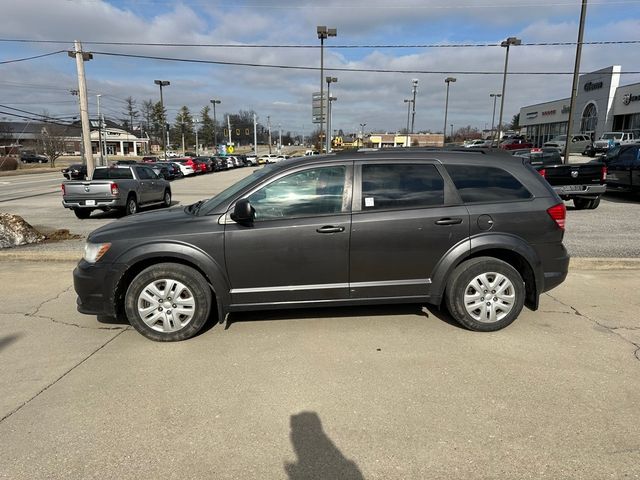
477 183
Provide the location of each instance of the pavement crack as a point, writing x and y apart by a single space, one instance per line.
613 330
19 407
35 312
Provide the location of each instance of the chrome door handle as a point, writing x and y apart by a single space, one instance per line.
329 229
449 221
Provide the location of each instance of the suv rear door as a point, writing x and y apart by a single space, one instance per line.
405 219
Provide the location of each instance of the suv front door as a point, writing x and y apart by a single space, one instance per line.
404 222
297 247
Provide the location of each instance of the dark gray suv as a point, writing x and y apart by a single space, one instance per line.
480 232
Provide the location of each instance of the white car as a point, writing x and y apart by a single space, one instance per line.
269 158
479 143
185 169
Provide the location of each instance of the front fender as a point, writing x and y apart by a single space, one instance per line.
166 251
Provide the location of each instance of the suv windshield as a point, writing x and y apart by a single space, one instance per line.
611 136
208 206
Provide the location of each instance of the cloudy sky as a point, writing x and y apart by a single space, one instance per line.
374 98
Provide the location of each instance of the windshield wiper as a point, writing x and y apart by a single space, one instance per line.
195 208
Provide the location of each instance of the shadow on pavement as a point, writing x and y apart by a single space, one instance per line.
318 457
8 340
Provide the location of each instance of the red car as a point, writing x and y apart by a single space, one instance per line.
515 144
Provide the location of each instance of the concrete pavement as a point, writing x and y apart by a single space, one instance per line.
381 392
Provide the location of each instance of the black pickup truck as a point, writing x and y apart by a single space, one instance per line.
583 183
623 168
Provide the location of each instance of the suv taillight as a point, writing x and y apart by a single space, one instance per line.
559 214
64 192
114 189
603 173
543 172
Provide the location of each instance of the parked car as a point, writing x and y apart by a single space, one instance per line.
117 187
623 168
150 159
207 161
481 233
75 171
200 167
188 161
479 143
161 170
251 160
32 157
173 170
185 169
579 143
126 162
268 158
515 143
609 140
584 184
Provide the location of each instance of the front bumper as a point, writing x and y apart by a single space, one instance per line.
95 284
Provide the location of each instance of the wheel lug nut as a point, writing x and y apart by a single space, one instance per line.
168 312
168 299
482 299
159 309
488 304
174 305
493 291
495 299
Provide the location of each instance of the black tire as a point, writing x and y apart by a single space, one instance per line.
582 203
463 281
131 206
82 213
197 293
594 203
166 199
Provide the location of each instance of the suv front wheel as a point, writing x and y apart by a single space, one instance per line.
485 294
168 302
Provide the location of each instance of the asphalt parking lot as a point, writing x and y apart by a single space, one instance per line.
377 393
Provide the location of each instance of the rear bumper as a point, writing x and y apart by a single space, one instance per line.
99 203
556 267
95 285
579 190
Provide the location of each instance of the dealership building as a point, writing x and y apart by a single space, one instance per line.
602 105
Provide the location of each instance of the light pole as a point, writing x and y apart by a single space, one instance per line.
451 131
279 138
362 125
100 131
330 80
163 83
196 121
506 43
330 124
323 32
447 80
413 115
406 136
493 117
215 131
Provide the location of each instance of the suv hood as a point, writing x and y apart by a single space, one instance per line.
159 224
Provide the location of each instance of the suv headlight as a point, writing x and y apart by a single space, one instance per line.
95 251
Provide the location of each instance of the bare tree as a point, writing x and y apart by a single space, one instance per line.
53 140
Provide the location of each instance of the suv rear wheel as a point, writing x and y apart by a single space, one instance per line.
168 302
485 294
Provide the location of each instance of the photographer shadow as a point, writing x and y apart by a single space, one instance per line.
318 457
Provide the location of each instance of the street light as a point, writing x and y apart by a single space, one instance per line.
163 83
323 32
493 117
330 80
505 43
451 131
100 131
413 115
196 121
447 80
408 101
215 132
362 125
330 124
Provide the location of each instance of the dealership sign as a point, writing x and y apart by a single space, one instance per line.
589 86
628 98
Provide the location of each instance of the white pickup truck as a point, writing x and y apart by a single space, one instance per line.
118 187
611 139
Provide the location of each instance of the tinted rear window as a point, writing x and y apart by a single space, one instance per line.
477 183
112 174
401 186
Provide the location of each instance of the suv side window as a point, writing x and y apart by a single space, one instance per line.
476 183
316 191
386 186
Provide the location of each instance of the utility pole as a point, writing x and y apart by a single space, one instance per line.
269 125
279 138
215 126
165 130
229 127
413 114
362 125
196 121
576 77
81 57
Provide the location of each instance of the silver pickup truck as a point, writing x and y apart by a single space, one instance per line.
120 187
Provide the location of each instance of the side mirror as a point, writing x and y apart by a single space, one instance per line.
242 212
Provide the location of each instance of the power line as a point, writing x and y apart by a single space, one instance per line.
314 46
32 58
34 114
336 69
